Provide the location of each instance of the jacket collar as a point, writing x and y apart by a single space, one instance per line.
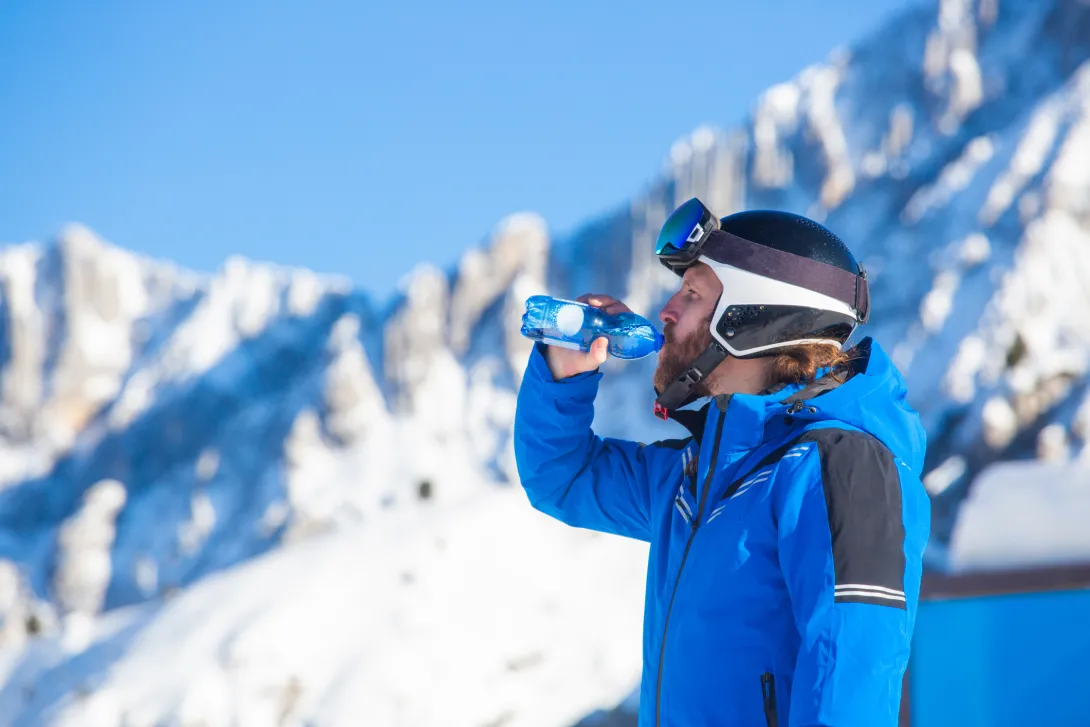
747 413
693 420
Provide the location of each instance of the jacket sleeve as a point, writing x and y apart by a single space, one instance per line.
852 528
570 473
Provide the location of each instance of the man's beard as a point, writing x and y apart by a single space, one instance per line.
676 356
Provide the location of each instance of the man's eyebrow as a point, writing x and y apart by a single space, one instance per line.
696 283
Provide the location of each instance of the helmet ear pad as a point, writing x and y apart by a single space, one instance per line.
756 315
751 331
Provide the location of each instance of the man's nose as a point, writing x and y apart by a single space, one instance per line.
668 314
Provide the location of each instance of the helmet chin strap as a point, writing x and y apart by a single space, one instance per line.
681 390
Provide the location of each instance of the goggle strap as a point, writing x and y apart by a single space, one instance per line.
850 288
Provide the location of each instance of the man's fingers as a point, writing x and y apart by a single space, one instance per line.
617 307
606 302
600 301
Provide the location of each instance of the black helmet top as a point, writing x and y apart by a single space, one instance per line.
791 233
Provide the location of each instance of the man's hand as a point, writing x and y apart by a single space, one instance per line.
565 362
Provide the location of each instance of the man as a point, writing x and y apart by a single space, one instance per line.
786 534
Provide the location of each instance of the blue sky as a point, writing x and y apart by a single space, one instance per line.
361 138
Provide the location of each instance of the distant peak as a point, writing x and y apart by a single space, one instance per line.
699 141
78 238
425 281
522 223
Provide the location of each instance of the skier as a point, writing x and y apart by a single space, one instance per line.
787 532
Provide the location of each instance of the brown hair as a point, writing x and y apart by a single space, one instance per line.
800 364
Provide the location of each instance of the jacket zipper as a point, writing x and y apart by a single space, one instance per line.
684 557
768 693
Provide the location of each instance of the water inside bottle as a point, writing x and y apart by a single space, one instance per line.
573 325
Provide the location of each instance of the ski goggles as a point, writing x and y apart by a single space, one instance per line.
684 233
692 231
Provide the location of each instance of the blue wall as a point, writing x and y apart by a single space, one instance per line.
994 661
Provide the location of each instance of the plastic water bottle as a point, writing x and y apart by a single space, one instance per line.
568 323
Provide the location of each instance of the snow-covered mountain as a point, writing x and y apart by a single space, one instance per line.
194 467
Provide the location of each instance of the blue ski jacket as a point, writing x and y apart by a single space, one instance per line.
786 541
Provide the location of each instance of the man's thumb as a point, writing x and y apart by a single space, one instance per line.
599 350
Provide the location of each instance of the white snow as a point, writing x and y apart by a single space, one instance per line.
702 139
776 116
968 87
146 574
681 153
517 347
240 303
942 477
193 532
974 250
83 559
461 615
22 387
939 301
1000 423
1024 514
306 290
1053 444
900 129
15 607
820 84
530 224
951 66
955 177
518 247
1029 158
1069 177
207 464
354 404
954 14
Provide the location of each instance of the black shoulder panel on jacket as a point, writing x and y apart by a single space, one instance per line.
863 497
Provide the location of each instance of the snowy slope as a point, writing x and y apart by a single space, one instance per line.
195 468
335 630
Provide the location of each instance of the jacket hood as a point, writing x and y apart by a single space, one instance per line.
872 398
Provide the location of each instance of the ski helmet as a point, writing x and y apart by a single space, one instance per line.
787 281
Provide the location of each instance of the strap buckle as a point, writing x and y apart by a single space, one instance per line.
862 296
